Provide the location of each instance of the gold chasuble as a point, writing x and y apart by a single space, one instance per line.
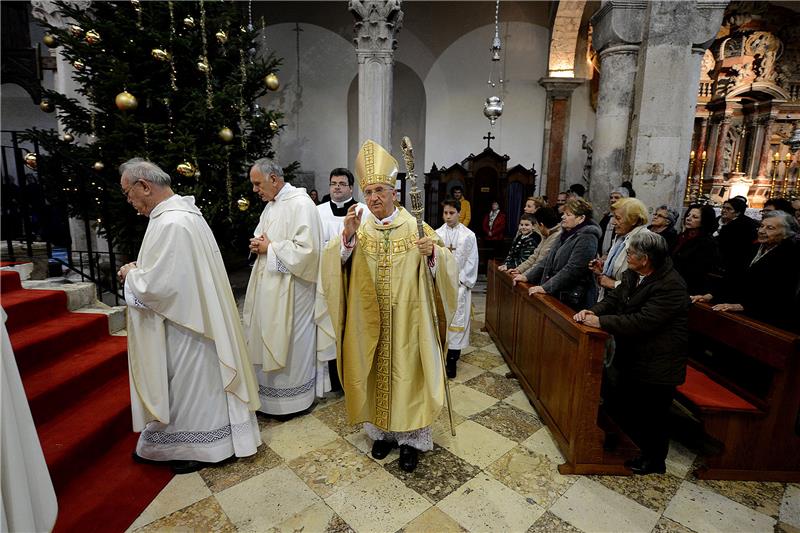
381 305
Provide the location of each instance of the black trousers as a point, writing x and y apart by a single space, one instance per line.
642 411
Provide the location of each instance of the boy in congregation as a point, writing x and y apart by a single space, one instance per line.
524 243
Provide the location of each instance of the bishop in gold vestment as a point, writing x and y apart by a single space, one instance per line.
382 300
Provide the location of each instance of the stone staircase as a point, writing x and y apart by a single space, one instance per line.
81 296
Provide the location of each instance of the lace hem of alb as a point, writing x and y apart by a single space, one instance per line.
196 439
421 439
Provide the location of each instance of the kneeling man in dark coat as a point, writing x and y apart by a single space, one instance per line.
648 316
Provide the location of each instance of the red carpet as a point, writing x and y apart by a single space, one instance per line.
76 378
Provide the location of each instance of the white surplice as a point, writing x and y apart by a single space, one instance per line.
280 303
193 392
332 226
28 499
462 242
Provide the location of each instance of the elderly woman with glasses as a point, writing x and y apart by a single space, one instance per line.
663 223
648 317
630 217
768 288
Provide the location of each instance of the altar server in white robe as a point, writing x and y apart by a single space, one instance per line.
461 241
193 391
279 306
331 215
28 499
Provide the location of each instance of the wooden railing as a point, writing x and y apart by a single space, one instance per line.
559 364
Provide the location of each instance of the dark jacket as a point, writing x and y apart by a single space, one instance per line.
736 247
565 272
522 248
768 289
650 326
670 235
695 259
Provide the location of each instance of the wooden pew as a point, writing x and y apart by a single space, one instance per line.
559 364
759 365
743 383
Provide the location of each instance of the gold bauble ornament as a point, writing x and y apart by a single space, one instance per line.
46 106
188 22
78 65
274 125
67 137
30 160
272 82
126 101
98 166
92 37
186 169
221 36
202 66
76 30
243 204
50 40
226 135
159 54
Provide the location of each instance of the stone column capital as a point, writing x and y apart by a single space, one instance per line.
377 24
560 88
705 25
618 22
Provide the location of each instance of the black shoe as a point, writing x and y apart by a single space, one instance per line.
141 460
641 466
187 467
381 448
409 457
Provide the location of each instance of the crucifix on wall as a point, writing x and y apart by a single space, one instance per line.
489 138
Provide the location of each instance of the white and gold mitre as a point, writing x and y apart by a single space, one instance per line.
375 165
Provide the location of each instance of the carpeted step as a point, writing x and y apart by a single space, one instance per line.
9 280
111 492
39 343
51 389
73 440
25 308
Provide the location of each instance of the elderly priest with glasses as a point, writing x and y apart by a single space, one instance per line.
193 392
382 303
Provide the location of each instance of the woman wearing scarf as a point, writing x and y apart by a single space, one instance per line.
630 217
696 254
564 274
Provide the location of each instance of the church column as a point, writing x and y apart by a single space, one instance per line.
556 132
617 32
765 146
377 23
675 37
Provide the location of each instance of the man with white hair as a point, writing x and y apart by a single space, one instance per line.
383 284
193 392
279 305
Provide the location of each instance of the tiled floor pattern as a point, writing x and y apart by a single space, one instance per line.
498 474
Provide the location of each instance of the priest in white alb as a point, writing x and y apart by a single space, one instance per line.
279 306
193 392
331 215
461 241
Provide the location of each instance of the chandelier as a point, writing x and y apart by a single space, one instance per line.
493 107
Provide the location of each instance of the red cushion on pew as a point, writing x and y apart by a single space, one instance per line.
708 394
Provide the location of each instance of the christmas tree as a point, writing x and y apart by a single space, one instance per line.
173 82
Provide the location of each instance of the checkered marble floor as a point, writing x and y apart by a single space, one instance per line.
314 474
